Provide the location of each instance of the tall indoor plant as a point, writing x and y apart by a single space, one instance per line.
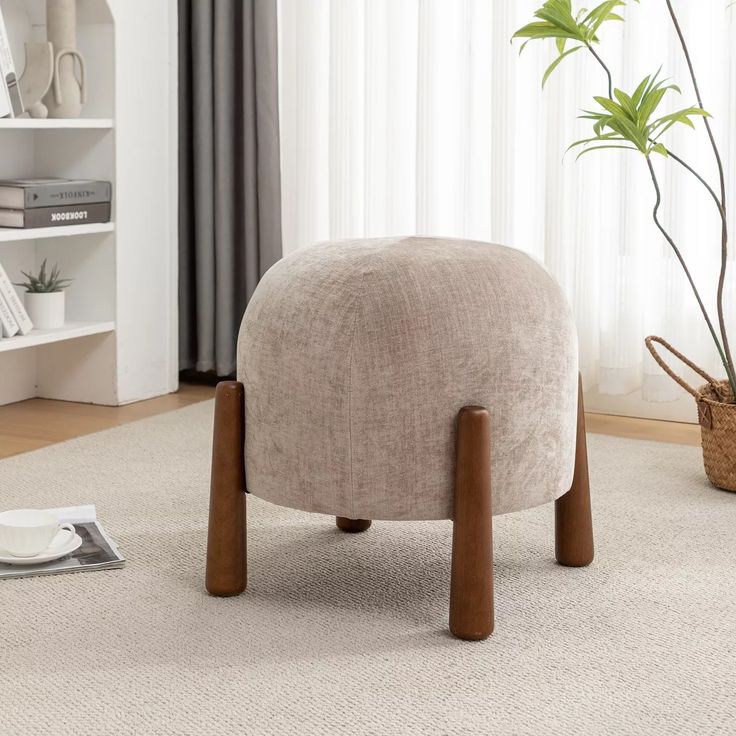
631 121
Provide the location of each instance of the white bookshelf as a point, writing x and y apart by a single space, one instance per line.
119 342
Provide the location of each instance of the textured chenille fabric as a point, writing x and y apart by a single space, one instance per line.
357 356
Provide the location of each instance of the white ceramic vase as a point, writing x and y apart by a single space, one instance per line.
45 310
67 93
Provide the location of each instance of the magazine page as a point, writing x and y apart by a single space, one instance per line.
97 550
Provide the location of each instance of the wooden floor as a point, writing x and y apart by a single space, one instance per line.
29 425
643 429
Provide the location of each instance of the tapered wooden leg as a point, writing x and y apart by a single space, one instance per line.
226 547
573 522
352 526
471 586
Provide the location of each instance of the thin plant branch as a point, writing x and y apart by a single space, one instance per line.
722 178
699 98
605 69
678 254
712 193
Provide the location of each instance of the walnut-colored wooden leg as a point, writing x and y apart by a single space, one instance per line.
573 522
352 526
226 547
471 586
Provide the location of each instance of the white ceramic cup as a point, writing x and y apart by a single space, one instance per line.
26 532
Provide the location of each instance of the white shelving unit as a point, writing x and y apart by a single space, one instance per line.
119 342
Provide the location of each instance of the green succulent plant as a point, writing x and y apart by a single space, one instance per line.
630 122
45 283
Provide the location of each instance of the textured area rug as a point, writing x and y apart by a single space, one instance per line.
347 634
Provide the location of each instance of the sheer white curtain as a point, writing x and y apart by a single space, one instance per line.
418 116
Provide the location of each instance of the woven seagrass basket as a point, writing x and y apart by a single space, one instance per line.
717 417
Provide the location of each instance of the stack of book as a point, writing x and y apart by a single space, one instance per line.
14 319
29 203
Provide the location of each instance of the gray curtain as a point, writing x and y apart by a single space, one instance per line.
229 174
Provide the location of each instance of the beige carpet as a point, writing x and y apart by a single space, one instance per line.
343 634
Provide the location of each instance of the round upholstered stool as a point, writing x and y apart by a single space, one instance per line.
405 378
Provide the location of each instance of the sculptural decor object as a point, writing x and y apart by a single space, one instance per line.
37 77
68 91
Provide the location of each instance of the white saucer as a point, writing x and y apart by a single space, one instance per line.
48 555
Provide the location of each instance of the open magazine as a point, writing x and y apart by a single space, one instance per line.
98 551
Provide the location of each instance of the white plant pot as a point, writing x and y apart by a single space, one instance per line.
45 310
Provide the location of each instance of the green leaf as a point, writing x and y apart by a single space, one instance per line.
626 103
601 148
557 62
639 91
585 141
543 31
664 123
558 18
609 105
603 13
45 283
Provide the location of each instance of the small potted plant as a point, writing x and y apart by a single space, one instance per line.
44 297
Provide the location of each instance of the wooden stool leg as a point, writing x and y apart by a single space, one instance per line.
471 586
352 526
226 548
573 522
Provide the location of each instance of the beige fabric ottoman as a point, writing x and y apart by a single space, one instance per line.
405 378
